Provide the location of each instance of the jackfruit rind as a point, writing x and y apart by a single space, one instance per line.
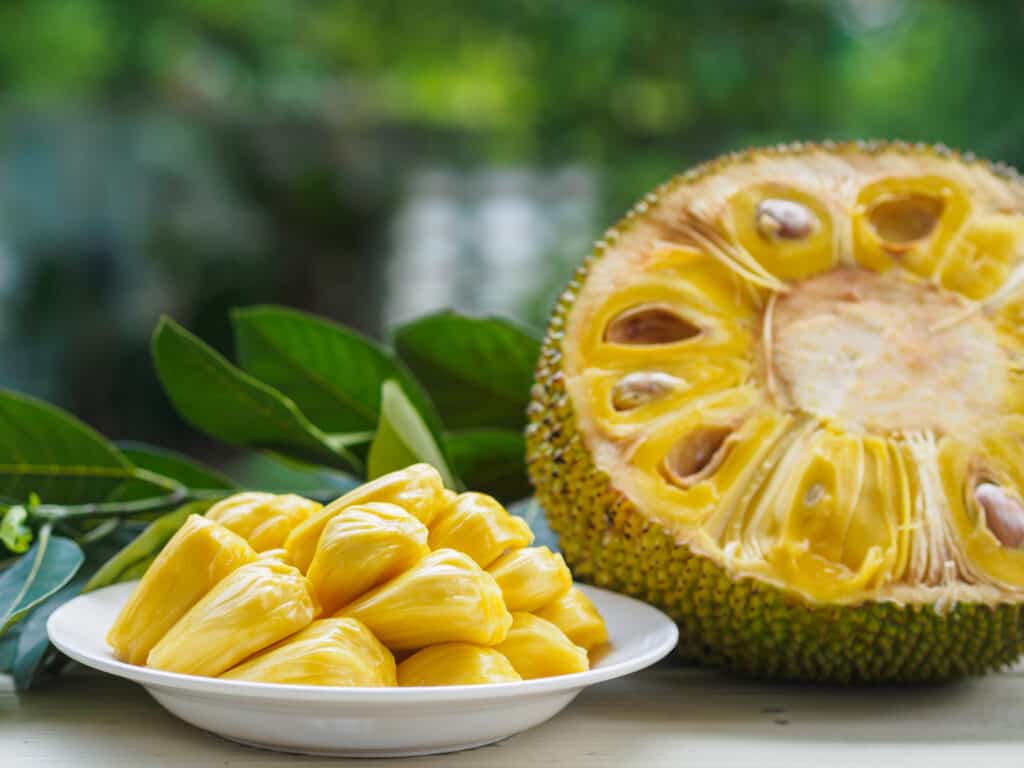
418 489
531 577
456 664
361 547
927 612
537 648
479 525
445 598
265 520
251 608
340 652
195 559
576 616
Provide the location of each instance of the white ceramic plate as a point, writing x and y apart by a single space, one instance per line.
364 721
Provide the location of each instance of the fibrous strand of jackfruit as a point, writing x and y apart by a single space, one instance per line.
251 608
265 520
361 547
196 558
445 598
456 664
339 652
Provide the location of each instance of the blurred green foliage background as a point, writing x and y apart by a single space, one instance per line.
370 160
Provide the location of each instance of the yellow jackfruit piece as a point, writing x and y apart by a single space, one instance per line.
198 556
327 652
576 616
537 648
280 555
446 598
418 489
254 606
362 547
478 525
265 520
456 664
531 577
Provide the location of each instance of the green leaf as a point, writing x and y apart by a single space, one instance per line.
147 545
227 403
491 461
477 370
33 642
531 511
48 566
14 532
171 465
403 438
331 372
46 451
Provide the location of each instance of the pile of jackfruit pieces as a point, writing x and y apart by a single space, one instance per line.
278 589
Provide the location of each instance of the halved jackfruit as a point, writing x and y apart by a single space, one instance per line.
251 608
478 525
265 520
456 664
531 577
445 598
418 489
537 648
327 652
196 558
361 547
576 616
782 403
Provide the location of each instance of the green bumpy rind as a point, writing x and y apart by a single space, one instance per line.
741 625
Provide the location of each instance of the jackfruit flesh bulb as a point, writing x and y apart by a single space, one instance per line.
340 652
418 489
263 519
576 616
478 525
537 648
531 577
784 402
361 547
251 608
456 664
445 598
195 559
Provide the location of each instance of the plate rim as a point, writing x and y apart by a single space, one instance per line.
342 695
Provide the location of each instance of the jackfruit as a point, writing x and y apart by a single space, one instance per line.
263 519
445 598
478 525
418 489
361 547
531 577
537 648
456 664
251 608
327 652
782 402
576 616
196 558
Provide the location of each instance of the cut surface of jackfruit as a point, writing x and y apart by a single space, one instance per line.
265 520
445 598
783 401
361 547
456 664
537 648
196 558
479 525
531 577
339 652
417 489
251 608
576 616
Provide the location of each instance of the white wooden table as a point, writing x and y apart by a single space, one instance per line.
667 716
